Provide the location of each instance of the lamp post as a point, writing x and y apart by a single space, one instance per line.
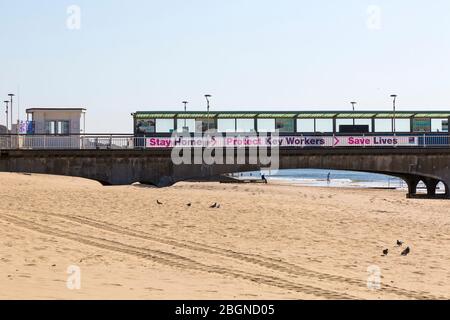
11 105
394 97
7 115
353 107
207 96
185 109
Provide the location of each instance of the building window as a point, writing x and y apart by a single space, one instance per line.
402 125
383 125
266 125
50 127
203 125
63 127
324 125
165 125
364 122
439 125
245 125
305 125
226 125
343 122
186 125
60 127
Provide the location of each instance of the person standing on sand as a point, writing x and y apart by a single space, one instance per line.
329 178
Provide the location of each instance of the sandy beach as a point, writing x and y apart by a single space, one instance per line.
264 242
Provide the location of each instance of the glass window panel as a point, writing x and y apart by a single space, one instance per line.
226 125
343 122
202 125
50 127
439 125
305 125
402 125
324 125
165 125
185 125
364 122
63 127
245 125
383 125
266 125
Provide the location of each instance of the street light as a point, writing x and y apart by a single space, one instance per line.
185 108
11 105
7 105
207 96
353 107
394 97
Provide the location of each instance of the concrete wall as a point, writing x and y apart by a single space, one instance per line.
121 167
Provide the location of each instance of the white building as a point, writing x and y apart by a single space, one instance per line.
58 121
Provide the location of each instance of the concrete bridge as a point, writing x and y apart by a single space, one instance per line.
154 166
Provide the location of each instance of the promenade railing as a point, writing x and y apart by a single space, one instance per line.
121 141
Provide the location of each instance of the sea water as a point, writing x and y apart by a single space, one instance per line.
318 178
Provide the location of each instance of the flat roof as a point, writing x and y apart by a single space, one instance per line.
30 110
289 114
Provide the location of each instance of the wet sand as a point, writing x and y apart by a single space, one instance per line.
264 242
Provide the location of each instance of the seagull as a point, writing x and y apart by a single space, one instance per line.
158 202
385 252
406 251
399 243
214 206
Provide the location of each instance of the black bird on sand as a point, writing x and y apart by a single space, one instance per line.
159 202
399 243
385 252
406 251
214 206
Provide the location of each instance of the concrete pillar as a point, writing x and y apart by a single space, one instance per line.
412 185
446 195
447 190
431 186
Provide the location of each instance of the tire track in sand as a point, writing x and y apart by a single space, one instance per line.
172 260
259 260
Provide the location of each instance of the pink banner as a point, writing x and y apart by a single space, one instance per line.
290 141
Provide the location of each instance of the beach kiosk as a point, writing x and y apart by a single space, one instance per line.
57 121
53 127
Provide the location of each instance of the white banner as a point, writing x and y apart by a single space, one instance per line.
287 141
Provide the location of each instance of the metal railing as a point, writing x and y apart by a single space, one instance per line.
116 141
52 142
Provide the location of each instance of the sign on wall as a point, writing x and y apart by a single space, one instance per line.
421 125
26 127
293 141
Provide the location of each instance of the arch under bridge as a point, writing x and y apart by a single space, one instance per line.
125 166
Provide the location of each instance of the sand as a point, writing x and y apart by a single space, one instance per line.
264 242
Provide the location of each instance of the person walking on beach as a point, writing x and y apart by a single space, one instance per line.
263 178
329 178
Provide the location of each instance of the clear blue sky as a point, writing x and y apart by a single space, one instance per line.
288 54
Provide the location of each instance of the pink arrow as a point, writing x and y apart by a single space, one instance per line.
336 141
